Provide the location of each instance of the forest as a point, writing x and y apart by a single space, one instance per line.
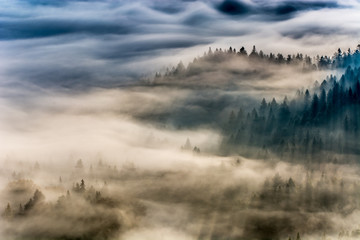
273 169
317 123
179 120
324 120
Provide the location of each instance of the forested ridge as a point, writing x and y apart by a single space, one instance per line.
325 118
261 167
340 59
179 120
315 125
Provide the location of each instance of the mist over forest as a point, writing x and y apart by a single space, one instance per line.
181 120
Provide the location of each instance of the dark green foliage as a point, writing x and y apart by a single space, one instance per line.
309 126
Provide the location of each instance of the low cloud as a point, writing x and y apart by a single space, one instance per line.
117 41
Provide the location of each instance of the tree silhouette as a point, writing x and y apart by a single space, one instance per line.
8 211
82 187
79 164
187 145
37 198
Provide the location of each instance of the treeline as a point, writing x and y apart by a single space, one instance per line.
340 59
326 193
277 207
83 213
315 195
323 119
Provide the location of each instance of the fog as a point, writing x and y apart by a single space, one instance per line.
110 43
204 119
143 181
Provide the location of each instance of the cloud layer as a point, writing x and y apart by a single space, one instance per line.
107 43
71 87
